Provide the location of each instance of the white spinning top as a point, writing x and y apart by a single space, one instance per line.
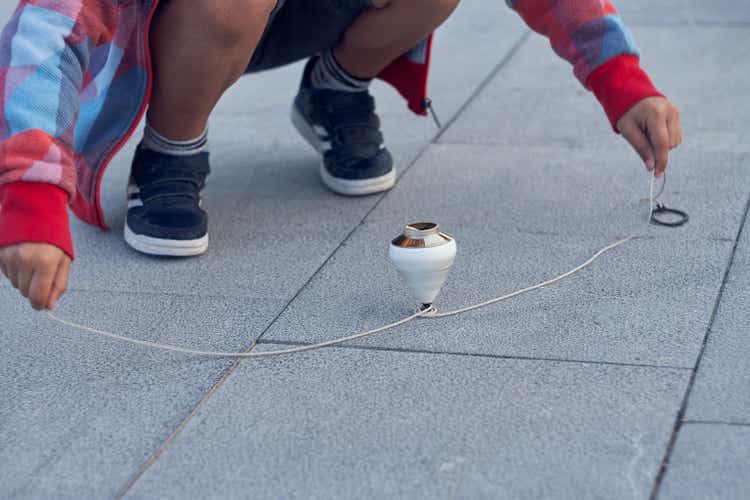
423 256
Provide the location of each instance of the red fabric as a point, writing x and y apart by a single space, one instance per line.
22 152
409 77
619 84
559 20
34 212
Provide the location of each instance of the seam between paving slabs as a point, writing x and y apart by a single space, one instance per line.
679 420
716 422
165 444
478 355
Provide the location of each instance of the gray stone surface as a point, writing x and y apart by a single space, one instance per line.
722 386
268 235
557 191
6 9
682 12
273 225
508 218
79 414
709 462
349 423
648 301
739 275
535 101
277 226
538 184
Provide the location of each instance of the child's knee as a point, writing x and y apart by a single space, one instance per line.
231 22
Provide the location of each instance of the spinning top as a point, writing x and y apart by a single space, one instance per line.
423 256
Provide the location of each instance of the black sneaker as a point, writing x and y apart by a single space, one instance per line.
164 212
344 129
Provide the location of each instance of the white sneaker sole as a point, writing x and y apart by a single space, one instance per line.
164 247
347 187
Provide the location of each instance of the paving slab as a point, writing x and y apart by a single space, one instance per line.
519 220
82 414
350 423
721 391
7 7
709 462
536 101
267 237
554 190
682 12
263 194
475 39
647 302
722 385
79 414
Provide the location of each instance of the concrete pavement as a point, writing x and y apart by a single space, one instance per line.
630 380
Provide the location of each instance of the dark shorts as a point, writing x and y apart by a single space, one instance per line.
299 29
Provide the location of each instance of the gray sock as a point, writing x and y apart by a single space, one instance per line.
328 74
154 141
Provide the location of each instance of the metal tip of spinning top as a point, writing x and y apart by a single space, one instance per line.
423 256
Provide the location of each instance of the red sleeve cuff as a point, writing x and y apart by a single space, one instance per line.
619 84
34 212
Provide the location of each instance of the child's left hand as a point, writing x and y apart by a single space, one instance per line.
653 128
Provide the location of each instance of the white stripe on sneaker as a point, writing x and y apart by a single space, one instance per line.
165 247
320 131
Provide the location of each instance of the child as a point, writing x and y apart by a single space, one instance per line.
76 80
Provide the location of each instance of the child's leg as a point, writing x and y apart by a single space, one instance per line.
200 48
381 35
334 111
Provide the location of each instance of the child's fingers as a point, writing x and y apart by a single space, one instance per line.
12 275
25 273
658 134
675 128
60 283
635 136
40 286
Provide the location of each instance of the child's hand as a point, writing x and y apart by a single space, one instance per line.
652 127
38 270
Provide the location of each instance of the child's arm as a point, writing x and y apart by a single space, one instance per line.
44 54
591 36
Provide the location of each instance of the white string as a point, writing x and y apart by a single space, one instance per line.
651 201
222 354
435 314
429 313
